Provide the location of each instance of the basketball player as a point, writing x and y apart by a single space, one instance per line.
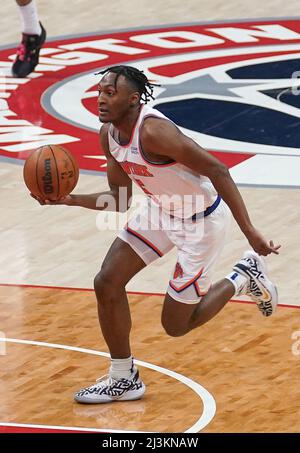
33 37
143 146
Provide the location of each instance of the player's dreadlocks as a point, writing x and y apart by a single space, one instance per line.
136 77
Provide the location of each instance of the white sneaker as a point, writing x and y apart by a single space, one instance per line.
108 389
260 288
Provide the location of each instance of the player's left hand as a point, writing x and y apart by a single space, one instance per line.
260 244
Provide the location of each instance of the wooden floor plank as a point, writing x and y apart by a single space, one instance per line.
244 360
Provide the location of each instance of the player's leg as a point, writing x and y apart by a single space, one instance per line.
190 293
33 37
248 277
178 318
135 248
140 243
192 300
122 382
119 266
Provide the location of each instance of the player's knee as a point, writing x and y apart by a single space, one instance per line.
108 286
103 285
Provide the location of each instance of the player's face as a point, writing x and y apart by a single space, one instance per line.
114 100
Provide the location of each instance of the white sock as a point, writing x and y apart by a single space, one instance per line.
121 368
238 281
30 19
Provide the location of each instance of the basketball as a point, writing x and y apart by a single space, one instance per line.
51 172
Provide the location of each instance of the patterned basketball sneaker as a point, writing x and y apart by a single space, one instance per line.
260 288
28 53
108 389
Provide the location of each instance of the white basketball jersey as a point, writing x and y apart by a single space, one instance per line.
177 189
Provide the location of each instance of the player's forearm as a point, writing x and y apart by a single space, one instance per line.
227 189
108 201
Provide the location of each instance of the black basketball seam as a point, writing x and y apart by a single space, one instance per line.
36 171
74 169
56 171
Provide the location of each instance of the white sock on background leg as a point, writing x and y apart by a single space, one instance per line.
30 19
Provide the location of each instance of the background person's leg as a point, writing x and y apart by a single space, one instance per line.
29 17
33 38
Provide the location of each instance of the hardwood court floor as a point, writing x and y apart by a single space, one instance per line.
244 360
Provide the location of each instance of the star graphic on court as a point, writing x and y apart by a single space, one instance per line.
204 84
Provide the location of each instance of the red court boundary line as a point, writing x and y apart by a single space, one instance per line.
67 288
7 429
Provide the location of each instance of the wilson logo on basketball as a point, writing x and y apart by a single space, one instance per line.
231 87
48 187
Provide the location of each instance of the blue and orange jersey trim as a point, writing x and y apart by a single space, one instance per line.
144 240
191 282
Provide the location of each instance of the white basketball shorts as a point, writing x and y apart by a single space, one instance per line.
152 233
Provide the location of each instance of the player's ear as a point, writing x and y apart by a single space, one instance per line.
135 98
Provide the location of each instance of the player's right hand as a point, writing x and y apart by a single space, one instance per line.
64 200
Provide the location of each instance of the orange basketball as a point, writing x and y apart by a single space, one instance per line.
51 172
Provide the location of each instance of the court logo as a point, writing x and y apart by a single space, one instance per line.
232 87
